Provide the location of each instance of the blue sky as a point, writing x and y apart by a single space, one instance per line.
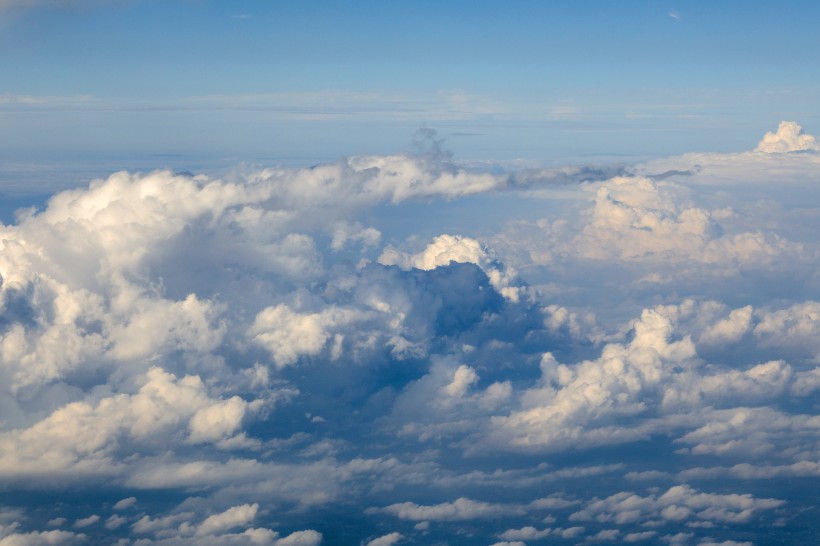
392 273
315 80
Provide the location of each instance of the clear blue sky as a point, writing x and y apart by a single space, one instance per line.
501 80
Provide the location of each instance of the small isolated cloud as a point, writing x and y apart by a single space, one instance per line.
86 522
386 540
125 503
789 137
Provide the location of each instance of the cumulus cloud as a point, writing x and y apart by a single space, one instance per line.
44 538
82 439
526 533
125 503
85 522
754 432
797 326
636 218
461 509
288 335
231 526
678 503
233 517
789 137
564 409
444 249
280 342
386 540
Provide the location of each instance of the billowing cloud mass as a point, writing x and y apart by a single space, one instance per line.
789 137
296 356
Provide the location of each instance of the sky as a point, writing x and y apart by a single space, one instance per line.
224 82
386 273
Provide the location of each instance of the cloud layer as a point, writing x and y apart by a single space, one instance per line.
278 357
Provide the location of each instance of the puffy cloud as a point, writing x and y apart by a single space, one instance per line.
789 137
44 538
795 326
82 439
730 329
769 166
637 219
563 410
637 537
115 522
125 503
525 533
445 402
748 471
462 380
85 522
754 432
150 323
181 529
762 382
445 249
300 538
678 503
461 509
386 540
233 517
288 335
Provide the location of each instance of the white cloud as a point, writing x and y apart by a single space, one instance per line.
638 219
730 329
445 249
86 522
565 407
81 439
125 503
748 471
525 533
797 325
181 529
115 522
461 509
386 540
789 137
754 432
678 503
637 537
44 538
150 323
287 335
235 516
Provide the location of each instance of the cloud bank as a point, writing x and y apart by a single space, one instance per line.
292 356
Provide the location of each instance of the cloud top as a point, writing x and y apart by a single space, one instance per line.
789 137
